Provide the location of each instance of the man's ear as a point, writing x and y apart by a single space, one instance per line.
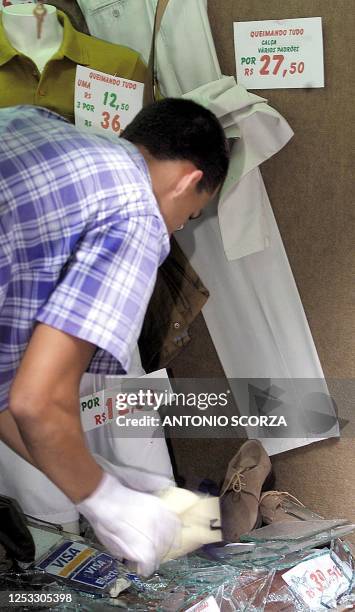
187 182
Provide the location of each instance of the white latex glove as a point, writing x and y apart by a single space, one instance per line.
135 478
131 525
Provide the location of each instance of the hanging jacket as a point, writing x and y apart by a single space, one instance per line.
178 297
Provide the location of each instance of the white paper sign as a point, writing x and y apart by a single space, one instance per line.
279 54
93 412
319 581
6 3
105 104
104 407
207 605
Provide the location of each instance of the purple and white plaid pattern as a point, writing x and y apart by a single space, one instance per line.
81 238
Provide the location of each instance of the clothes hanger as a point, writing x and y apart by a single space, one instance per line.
39 12
151 83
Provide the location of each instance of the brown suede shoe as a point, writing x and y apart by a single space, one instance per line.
278 506
241 490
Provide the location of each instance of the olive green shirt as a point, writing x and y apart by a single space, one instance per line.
22 83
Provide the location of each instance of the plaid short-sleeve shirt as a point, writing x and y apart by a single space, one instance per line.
81 238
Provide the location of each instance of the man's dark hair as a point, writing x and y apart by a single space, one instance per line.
179 129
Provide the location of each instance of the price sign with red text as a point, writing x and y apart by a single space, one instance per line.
279 54
105 104
103 407
6 3
206 605
319 581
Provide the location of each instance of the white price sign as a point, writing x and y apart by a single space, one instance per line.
103 407
207 605
6 3
105 104
320 580
96 410
279 54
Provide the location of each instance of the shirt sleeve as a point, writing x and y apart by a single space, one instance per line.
104 292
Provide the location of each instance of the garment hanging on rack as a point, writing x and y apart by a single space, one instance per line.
257 132
21 83
242 113
184 36
254 314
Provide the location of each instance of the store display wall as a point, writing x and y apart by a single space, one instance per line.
310 188
310 180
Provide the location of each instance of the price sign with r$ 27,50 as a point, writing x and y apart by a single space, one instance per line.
279 54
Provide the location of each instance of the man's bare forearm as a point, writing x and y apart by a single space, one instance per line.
44 402
37 448
10 435
56 443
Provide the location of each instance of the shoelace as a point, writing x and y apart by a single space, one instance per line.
280 494
235 483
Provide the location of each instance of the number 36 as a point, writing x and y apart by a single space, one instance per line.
107 122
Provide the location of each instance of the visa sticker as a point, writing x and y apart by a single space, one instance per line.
80 563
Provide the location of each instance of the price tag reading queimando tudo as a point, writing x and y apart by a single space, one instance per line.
279 54
105 104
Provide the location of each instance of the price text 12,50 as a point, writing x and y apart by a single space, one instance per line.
110 99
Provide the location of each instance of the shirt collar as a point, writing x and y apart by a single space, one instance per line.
70 47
